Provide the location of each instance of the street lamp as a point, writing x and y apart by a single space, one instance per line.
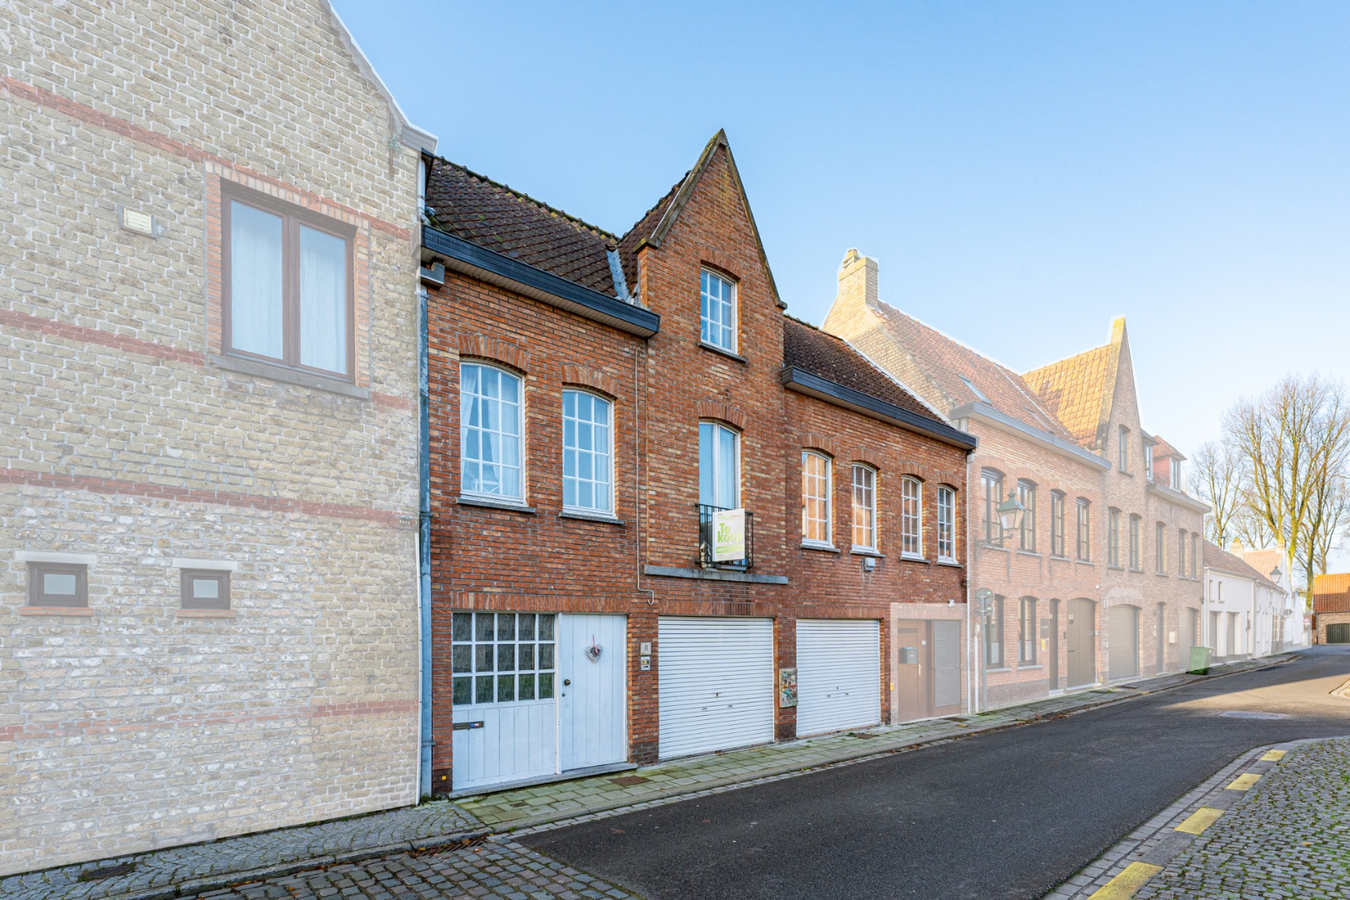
1010 514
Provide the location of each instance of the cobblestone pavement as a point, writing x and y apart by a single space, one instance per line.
162 872
1287 837
183 870
491 870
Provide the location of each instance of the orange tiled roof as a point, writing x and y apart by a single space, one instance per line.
1263 560
1074 389
1216 557
1331 583
1161 448
959 372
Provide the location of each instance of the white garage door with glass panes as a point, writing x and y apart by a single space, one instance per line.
716 683
838 675
505 715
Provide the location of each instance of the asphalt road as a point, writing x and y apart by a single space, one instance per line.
1004 815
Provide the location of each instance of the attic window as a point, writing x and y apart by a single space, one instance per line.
718 310
979 395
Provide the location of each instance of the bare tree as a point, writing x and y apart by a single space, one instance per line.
1295 439
1249 526
1218 477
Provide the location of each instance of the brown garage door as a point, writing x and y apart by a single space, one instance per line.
1082 642
1123 632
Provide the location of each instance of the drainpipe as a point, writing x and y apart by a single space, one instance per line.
424 545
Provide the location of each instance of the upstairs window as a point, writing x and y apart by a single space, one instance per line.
288 286
1057 524
1195 555
911 518
946 537
1026 495
1181 553
992 482
1084 530
1124 449
1148 461
719 466
587 452
1160 548
490 433
718 311
1175 468
1136 540
864 508
1113 537
815 498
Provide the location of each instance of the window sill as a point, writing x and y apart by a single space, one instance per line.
1059 558
205 614
985 545
867 551
956 563
496 504
55 611
1028 553
1115 568
260 369
913 557
722 351
1085 562
824 548
1136 571
996 670
587 516
1028 668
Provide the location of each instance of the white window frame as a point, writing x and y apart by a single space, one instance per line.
1148 461
733 312
807 520
608 508
516 499
946 537
1124 449
719 427
870 489
911 511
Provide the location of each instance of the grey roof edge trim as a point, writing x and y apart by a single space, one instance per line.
1180 498
495 268
988 413
410 134
1261 580
804 382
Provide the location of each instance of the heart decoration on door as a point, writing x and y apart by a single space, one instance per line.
594 650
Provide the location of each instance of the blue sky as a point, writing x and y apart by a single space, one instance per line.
1023 172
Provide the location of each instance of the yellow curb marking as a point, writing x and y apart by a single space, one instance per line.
1199 820
1127 883
1242 782
1273 755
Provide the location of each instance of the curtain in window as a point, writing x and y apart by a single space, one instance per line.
717 467
490 432
255 281
323 301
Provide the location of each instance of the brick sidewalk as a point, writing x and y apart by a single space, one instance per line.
182 871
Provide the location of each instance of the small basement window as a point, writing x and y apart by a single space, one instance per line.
58 584
205 589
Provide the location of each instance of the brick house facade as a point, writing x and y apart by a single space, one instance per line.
1331 608
207 552
582 620
1045 589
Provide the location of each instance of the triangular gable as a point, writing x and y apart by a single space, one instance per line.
653 227
1081 390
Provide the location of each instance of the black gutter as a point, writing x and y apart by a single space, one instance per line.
497 268
831 392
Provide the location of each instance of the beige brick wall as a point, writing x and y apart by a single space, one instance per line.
121 439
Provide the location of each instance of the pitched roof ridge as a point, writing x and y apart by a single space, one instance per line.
1067 359
521 195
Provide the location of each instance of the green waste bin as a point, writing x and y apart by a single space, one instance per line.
1199 661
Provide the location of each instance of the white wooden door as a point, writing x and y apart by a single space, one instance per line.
592 696
716 681
838 675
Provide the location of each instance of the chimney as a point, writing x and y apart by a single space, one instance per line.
857 280
1235 548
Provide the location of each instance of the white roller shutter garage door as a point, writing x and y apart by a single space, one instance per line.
716 682
838 675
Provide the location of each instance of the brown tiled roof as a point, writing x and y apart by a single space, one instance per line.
1162 448
1331 583
808 348
946 362
495 217
641 230
1074 390
1216 557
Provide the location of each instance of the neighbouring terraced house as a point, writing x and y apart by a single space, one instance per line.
208 441
1098 578
667 518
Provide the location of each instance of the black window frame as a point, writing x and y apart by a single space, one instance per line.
189 600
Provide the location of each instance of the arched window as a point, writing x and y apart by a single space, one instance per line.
588 455
719 466
864 507
491 429
816 506
911 517
946 537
